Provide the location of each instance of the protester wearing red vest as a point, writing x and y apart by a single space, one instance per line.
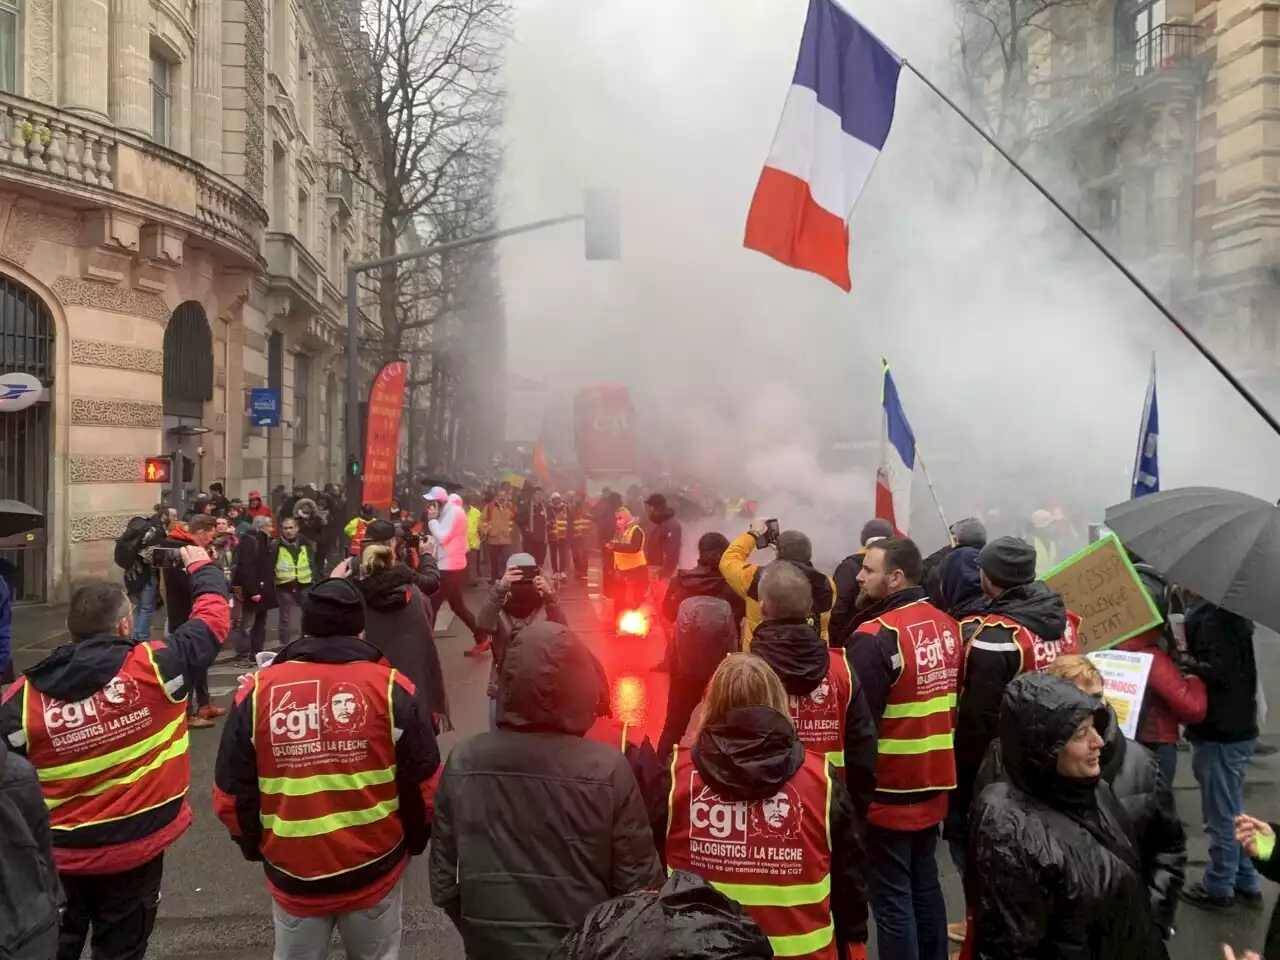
827 704
767 822
1025 628
907 656
326 774
103 720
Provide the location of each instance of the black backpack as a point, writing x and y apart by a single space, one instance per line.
139 533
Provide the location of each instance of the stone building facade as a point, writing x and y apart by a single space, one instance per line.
1168 114
179 195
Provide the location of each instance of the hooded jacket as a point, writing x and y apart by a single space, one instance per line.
1134 777
450 531
702 581
960 584
800 658
662 549
398 622
32 892
76 671
705 633
749 755
744 578
536 825
992 659
1052 871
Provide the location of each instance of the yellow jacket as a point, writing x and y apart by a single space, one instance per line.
473 528
740 575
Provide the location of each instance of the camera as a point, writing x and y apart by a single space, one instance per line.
166 558
770 536
529 574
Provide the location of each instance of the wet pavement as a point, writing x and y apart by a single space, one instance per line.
215 905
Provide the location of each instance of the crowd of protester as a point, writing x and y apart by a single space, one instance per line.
821 735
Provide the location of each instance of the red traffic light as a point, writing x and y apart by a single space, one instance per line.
158 470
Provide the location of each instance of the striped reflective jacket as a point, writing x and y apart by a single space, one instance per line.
773 855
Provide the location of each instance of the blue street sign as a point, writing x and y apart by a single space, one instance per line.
264 406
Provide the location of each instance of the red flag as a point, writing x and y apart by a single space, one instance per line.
382 434
540 468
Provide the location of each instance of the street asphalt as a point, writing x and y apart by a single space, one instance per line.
215 905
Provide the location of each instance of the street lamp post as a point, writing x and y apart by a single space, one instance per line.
602 244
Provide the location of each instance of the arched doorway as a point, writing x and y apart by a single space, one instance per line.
187 387
26 436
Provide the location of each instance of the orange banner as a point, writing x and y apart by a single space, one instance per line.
382 434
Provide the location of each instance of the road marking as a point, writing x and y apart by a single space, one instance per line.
215 692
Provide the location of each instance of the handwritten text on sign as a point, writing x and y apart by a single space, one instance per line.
1100 586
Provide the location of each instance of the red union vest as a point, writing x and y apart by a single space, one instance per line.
1034 652
773 856
819 717
358 536
113 755
326 766
918 727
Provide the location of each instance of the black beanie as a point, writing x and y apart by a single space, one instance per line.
1008 562
333 608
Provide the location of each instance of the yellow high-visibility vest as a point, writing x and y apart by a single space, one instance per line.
289 570
629 561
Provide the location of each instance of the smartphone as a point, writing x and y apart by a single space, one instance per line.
528 574
771 531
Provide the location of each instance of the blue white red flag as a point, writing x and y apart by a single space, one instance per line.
897 459
1146 464
834 125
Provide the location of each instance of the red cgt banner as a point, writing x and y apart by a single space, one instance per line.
382 434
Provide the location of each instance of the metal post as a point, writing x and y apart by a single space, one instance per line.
353 329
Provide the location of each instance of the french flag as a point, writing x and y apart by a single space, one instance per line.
834 125
897 460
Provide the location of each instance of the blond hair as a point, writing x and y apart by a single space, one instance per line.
376 558
743 680
1077 668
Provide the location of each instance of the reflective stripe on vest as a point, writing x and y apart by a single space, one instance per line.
582 526
918 725
325 744
630 561
1034 652
289 570
773 855
357 537
820 716
559 527
115 754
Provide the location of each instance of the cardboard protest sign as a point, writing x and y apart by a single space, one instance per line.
1100 586
1124 678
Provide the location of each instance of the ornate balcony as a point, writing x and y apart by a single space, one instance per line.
81 163
293 273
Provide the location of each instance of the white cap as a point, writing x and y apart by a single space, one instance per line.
438 493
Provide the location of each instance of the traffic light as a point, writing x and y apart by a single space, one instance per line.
158 470
353 467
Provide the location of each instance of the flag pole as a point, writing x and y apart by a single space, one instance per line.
936 502
1102 248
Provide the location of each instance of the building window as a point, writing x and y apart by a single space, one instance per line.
161 99
1107 204
279 37
335 254
1139 39
301 398
279 188
304 91
304 217
9 10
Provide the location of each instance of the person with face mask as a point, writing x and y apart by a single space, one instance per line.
521 597
1053 870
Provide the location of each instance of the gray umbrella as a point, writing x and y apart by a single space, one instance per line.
1222 544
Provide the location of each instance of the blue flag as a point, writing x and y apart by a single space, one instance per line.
1146 465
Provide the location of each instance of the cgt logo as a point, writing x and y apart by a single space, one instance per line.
62 717
930 654
714 819
294 712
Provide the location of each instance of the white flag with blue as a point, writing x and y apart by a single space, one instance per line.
1146 465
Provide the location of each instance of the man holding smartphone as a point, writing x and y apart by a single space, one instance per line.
447 522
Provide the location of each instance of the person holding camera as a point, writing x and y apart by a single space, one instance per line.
521 597
744 577
117 797
198 531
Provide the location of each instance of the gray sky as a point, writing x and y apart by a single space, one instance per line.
1021 358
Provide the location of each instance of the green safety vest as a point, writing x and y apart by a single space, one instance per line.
290 571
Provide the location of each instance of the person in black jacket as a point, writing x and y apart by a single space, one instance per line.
969 532
535 825
848 597
662 545
254 583
200 530
792 647
1053 872
960 584
704 580
1134 776
705 633
30 893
